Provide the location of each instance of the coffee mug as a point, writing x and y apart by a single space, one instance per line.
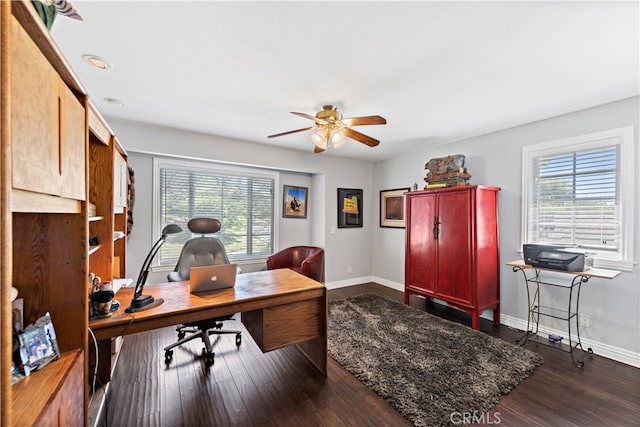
102 302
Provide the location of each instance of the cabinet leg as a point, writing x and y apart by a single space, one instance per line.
475 320
406 298
496 315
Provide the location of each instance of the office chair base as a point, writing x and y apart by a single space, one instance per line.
209 357
207 350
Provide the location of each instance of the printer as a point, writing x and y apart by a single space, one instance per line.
557 257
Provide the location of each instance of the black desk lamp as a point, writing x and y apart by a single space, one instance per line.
142 302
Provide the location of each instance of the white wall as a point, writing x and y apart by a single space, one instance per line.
377 253
495 159
322 174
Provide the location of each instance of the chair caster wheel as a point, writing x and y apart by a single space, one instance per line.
209 359
238 340
168 356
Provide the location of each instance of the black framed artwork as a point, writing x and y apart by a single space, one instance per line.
349 207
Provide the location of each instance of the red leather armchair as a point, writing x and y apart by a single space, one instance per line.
307 260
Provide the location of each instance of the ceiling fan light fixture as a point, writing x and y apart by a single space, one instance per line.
319 138
338 138
331 131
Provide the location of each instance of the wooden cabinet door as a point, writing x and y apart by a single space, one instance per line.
72 145
454 245
34 117
71 398
420 268
67 407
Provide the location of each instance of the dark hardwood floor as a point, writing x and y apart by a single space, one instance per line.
248 388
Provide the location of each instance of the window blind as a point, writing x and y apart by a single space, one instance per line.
244 205
574 199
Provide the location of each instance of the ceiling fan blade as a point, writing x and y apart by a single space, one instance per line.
291 131
365 120
361 137
305 115
310 117
318 149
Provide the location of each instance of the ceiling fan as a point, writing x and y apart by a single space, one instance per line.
331 130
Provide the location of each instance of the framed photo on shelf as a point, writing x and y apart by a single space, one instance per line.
392 208
349 207
38 345
294 201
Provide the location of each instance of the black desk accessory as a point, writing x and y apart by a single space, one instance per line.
143 302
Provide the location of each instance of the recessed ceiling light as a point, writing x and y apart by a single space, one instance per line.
114 101
96 61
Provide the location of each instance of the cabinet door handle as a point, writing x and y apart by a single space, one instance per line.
436 227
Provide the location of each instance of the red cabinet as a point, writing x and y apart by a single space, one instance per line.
452 248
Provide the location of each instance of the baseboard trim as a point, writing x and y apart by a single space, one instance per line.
388 283
348 282
97 410
601 349
366 279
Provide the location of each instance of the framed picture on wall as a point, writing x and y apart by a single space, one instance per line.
392 208
349 208
294 201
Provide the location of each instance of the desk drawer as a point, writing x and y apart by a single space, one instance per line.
283 325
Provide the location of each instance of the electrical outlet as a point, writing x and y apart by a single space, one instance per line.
585 320
349 269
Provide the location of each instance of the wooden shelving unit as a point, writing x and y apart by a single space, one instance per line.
45 227
120 212
108 192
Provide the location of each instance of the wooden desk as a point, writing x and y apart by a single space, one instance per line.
279 308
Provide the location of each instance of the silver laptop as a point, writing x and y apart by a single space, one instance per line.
212 277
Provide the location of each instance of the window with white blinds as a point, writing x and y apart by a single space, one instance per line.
578 191
242 200
575 199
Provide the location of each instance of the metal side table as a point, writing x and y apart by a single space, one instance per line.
570 314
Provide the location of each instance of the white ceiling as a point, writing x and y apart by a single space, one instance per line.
437 71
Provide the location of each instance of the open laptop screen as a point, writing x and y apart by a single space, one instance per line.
211 277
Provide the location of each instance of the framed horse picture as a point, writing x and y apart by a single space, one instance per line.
294 201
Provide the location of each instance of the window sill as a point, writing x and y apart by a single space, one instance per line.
612 264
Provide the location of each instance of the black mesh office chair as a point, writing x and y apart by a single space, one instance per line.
199 251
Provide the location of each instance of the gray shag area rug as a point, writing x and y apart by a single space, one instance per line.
430 370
